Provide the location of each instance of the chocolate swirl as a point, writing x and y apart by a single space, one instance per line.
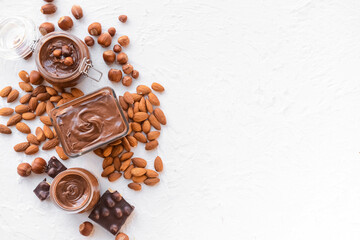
72 191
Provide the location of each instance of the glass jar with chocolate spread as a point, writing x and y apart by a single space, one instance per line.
89 122
61 58
75 190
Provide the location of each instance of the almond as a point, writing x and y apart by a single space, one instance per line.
107 162
55 99
130 112
50 144
32 139
123 104
153 99
151 145
26 87
160 116
127 173
24 76
32 149
107 151
22 127
28 116
40 109
140 137
157 87
136 127
126 156
46 120
151 181
38 90
140 116
107 171
139 179
22 109
143 90
58 89
33 102
149 106
98 152
158 164
146 126
43 97
154 122
151 173
136 97
126 144
137 172
51 91
132 141
128 98
49 106
13 95
6 111
14 120
116 142
153 135
125 165
117 150
136 107
114 176
139 162
134 186
61 153
117 163
77 92
55 134
40 136
5 91
20 147
48 132
142 105
62 101
25 99
4 129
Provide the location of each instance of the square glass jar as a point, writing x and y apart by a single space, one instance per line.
89 122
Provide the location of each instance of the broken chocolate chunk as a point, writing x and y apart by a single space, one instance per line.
42 190
111 211
54 167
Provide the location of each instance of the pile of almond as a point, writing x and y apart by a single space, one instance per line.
145 118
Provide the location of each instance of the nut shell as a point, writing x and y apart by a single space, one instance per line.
77 11
104 39
122 58
123 18
65 23
109 56
46 28
94 29
86 228
124 41
89 41
24 169
48 8
112 31
115 75
38 165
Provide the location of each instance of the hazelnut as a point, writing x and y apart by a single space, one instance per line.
89 41
77 11
122 58
24 169
57 52
48 8
112 31
109 56
46 28
48 0
135 74
68 61
115 75
104 39
94 29
66 51
35 78
124 40
127 68
86 228
65 23
127 81
122 236
38 165
117 48
123 18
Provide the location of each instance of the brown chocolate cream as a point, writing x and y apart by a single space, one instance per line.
85 122
54 61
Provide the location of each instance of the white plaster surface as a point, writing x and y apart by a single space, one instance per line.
262 100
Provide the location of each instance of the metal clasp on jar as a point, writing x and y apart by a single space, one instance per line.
86 67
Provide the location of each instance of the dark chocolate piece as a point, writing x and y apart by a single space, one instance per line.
111 211
54 167
42 190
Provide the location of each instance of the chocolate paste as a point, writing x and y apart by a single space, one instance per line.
89 121
55 65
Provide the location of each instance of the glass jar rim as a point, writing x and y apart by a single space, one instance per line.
69 171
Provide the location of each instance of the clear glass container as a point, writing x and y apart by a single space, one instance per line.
89 122
75 185
19 38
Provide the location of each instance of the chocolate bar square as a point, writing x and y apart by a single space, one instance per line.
111 211
42 191
54 167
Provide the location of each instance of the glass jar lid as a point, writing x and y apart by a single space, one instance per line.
18 37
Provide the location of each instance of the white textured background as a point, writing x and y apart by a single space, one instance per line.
263 107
